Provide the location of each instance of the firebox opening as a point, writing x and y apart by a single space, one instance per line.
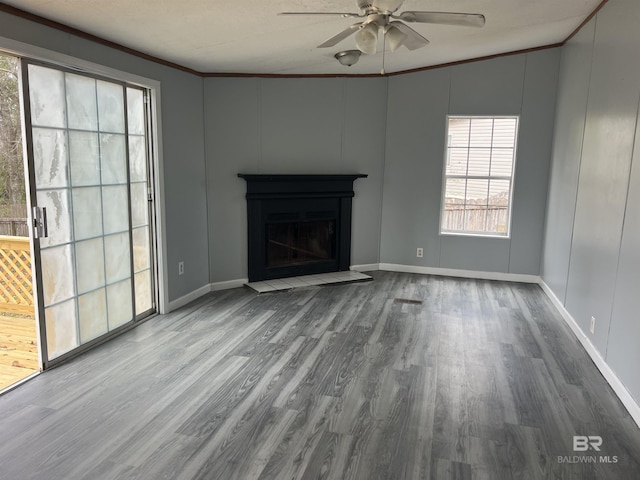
300 243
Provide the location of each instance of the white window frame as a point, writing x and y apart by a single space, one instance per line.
511 179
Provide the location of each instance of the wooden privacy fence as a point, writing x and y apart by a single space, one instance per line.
477 218
14 227
13 220
16 295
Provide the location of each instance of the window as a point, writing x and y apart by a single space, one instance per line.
478 178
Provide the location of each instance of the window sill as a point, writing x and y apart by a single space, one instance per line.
481 235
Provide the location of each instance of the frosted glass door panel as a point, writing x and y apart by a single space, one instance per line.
141 260
143 291
90 265
135 111
57 274
116 250
57 206
119 304
48 106
92 311
84 158
110 107
87 217
139 214
81 102
62 328
115 209
50 157
81 161
137 159
114 159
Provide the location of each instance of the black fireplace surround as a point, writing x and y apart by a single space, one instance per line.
298 224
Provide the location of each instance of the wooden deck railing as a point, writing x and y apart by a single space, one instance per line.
16 295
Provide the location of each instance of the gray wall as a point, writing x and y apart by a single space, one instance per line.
254 125
394 130
522 85
182 138
591 256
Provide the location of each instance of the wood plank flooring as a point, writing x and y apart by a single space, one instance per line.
404 377
18 349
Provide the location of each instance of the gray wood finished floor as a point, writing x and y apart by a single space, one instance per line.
482 380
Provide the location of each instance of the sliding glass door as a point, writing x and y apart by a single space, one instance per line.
88 153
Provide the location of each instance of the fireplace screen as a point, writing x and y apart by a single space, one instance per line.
300 243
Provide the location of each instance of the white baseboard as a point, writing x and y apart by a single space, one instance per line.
212 287
369 267
618 387
453 272
239 282
188 298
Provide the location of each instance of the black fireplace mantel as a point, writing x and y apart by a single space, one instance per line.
277 186
273 199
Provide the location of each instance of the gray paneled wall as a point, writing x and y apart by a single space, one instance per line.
413 166
597 125
571 107
532 165
394 126
185 183
522 85
232 145
331 125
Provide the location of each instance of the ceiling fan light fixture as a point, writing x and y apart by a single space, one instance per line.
394 37
348 57
367 38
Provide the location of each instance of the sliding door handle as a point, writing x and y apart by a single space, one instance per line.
40 228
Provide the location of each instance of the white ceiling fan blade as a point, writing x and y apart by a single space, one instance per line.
414 40
341 36
446 18
341 14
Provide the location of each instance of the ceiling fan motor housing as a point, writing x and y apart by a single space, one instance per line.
379 5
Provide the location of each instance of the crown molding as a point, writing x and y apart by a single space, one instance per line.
94 38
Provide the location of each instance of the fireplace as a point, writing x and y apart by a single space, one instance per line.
298 224
300 243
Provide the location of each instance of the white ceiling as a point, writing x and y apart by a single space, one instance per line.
247 36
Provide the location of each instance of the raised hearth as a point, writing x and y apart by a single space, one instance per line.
298 224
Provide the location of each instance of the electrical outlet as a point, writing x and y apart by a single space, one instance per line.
180 268
592 327
419 253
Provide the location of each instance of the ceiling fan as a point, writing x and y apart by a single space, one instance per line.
380 15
